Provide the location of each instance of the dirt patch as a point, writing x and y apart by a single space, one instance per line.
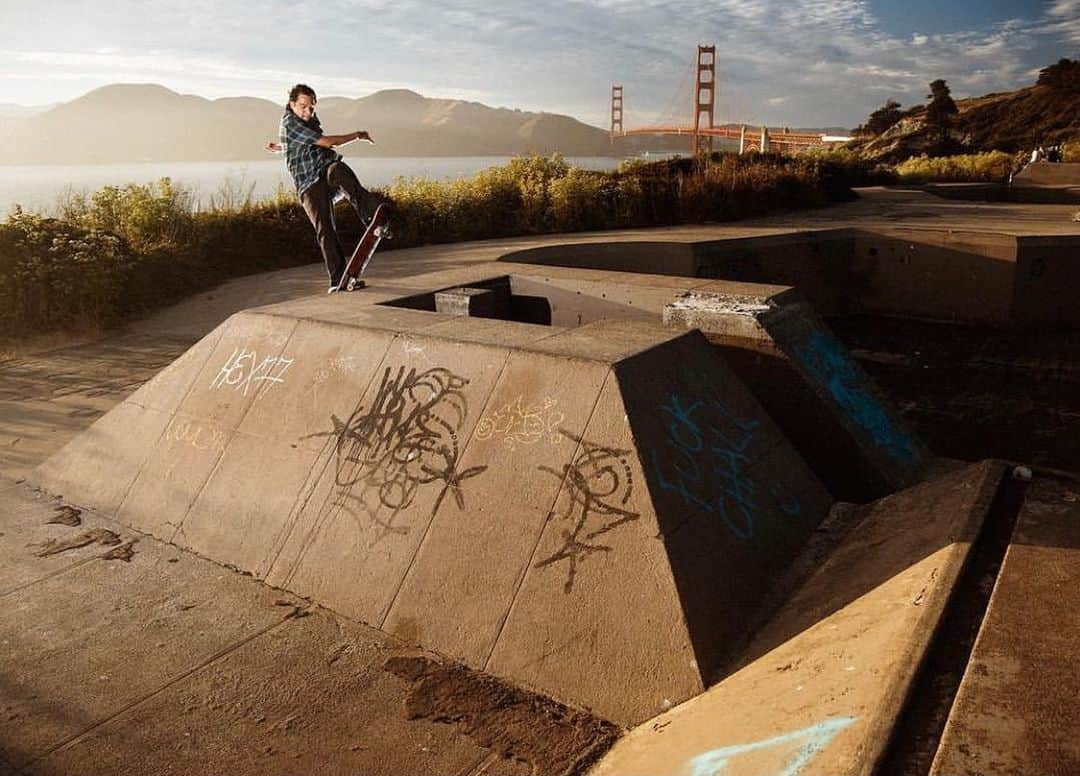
65 515
124 552
555 740
56 546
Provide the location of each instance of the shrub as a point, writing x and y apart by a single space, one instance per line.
984 167
1070 150
151 216
55 274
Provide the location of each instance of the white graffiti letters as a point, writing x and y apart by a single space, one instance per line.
243 369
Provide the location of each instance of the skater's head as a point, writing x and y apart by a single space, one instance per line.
302 101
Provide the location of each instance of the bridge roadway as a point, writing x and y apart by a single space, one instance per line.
145 658
780 139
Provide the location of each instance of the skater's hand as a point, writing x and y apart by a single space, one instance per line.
273 147
362 135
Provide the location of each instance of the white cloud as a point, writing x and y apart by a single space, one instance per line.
832 58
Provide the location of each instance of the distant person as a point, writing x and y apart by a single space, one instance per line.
320 173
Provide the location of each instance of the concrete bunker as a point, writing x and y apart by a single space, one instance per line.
946 275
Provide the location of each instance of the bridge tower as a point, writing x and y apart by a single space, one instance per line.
704 97
616 112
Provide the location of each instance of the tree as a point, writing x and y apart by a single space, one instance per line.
941 105
881 119
1063 76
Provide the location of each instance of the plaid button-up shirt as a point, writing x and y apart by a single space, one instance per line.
304 159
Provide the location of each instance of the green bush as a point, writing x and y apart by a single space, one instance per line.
992 166
151 216
55 274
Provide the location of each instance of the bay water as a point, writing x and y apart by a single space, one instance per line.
39 188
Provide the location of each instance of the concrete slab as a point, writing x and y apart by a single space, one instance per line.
489 332
575 302
452 598
727 487
942 274
98 468
26 530
75 653
1016 710
176 469
808 383
1046 265
248 362
889 456
309 696
607 340
168 387
598 599
396 462
332 364
671 508
1044 173
826 679
240 515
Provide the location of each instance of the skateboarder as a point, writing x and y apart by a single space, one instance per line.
319 173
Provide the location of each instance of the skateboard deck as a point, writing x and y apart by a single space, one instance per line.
365 249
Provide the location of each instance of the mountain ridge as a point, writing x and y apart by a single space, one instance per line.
128 122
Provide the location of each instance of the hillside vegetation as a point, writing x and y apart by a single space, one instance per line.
1045 114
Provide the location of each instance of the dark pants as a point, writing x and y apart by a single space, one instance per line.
318 202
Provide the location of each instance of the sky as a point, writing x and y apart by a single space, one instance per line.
781 62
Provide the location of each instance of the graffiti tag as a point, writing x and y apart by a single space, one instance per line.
243 369
813 740
600 484
826 360
407 438
203 438
705 463
520 423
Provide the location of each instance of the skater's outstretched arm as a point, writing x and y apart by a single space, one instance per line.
329 141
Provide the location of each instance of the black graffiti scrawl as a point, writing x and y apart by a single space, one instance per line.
407 438
600 484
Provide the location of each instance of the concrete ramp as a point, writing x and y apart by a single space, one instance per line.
830 673
594 513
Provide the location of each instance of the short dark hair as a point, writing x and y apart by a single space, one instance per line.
299 89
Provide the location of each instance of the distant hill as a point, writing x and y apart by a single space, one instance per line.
1044 114
11 111
146 122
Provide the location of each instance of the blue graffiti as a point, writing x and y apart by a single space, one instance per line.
815 738
705 463
827 361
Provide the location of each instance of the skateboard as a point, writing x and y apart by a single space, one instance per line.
365 249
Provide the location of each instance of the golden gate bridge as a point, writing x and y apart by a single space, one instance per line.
703 129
